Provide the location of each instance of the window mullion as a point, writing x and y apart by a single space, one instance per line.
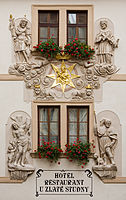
49 124
78 111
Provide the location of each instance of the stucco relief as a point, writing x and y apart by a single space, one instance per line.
107 137
19 146
39 74
105 45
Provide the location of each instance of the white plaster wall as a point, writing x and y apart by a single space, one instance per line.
27 190
114 100
12 97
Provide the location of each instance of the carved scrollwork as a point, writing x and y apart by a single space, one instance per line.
79 83
47 82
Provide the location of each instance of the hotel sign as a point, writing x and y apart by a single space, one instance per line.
64 182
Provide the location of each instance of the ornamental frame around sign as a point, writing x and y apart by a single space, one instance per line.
87 171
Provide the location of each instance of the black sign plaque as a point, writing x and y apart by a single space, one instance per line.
64 182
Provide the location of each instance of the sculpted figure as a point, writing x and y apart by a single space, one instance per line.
105 44
20 144
107 139
22 39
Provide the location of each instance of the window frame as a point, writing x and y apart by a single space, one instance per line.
62 21
48 122
77 25
48 25
63 120
78 122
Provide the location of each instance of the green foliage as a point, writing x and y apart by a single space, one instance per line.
79 50
48 49
78 151
75 49
49 150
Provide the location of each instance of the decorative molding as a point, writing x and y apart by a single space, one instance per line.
8 77
8 180
117 180
117 77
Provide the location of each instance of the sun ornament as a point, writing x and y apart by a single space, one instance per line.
63 76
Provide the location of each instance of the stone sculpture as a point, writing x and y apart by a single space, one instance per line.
19 148
107 139
39 75
105 45
21 34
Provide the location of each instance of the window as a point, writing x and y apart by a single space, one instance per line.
62 122
77 25
48 25
62 21
48 124
77 123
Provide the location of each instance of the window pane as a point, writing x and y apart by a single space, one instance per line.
72 128
41 138
72 139
83 40
45 138
54 138
55 40
43 129
54 128
43 32
83 139
82 32
71 32
83 115
53 18
82 19
83 129
72 115
43 114
53 32
54 113
71 18
43 39
43 17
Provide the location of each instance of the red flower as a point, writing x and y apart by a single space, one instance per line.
82 166
53 43
47 44
41 49
76 38
54 49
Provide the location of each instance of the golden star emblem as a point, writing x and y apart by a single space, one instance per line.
63 76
